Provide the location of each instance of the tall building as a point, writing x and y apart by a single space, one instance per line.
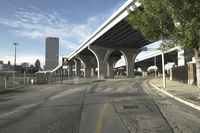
51 53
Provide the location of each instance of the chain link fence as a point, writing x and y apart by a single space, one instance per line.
11 79
8 79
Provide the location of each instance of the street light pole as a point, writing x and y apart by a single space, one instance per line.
15 59
162 49
155 67
15 54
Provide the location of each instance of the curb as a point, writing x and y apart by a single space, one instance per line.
176 98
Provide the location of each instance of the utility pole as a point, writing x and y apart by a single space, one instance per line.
24 77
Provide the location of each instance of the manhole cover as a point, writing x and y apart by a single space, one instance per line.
130 106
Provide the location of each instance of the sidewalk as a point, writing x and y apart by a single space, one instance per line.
181 92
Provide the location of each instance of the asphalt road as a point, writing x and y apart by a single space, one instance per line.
111 106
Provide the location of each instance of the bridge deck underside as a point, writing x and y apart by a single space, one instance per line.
120 36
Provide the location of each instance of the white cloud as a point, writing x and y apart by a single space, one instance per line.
35 23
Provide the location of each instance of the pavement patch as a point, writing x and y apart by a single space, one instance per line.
130 107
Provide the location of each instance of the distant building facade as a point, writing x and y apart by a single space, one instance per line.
1 65
6 67
51 53
25 64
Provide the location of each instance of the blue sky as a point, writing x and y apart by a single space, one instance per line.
28 22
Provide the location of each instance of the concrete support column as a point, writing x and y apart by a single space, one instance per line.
62 73
130 55
110 66
144 70
101 55
70 70
65 73
110 73
92 72
87 71
88 62
77 67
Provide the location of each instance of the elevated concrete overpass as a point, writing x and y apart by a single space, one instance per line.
155 59
101 51
177 55
152 58
105 46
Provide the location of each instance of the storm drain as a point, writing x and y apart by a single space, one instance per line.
130 107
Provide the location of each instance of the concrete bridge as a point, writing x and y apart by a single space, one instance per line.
114 38
176 55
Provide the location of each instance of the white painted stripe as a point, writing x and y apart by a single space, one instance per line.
177 98
9 113
19 109
27 106
67 92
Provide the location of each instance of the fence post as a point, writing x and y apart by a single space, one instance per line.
24 78
35 80
59 80
5 79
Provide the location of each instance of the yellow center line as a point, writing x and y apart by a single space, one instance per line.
99 125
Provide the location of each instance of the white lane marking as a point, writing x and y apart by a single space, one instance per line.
177 98
19 109
67 92
9 113
27 106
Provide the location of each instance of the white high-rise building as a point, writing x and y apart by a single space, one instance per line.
51 53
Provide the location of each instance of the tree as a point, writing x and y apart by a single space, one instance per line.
174 20
152 19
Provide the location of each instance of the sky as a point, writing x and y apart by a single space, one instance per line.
29 22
